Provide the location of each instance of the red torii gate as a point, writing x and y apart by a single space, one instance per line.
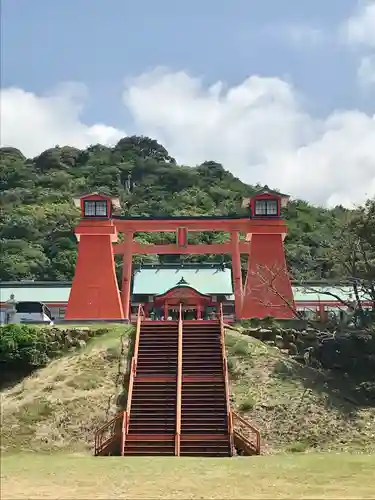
95 293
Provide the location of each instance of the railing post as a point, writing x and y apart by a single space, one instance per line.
179 386
123 432
226 381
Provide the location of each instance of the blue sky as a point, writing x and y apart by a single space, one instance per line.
102 42
296 98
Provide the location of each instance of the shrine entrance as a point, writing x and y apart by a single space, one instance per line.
95 294
194 304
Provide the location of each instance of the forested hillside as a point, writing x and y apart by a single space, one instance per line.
38 214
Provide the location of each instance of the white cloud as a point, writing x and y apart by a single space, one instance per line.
358 32
300 35
359 29
34 123
366 71
259 131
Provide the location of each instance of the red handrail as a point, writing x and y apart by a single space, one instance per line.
107 432
133 369
254 443
123 432
179 386
226 378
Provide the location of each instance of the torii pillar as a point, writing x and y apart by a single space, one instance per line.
268 289
95 294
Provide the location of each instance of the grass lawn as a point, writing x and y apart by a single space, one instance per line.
282 476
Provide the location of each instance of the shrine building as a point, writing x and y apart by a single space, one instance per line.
200 287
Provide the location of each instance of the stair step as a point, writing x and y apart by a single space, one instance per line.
203 424
149 450
219 389
203 347
154 404
207 371
201 398
158 342
149 453
203 403
158 356
155 372
199 409
142 410
149 358
205 367
202 361
137 412
205 452
155 418
154 394
158 363
199 444
157 348
151 428
157 404
198 422
154 401
152 423
168 386
188 355
204 393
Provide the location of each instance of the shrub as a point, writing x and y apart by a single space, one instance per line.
22 348
240 348
298 447
247 404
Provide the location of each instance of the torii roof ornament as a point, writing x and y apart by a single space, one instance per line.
284 198
182 282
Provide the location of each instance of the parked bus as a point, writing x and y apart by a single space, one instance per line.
25 312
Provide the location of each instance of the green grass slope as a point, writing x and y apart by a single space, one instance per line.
296 408
59 406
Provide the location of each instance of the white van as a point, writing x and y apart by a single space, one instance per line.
31 311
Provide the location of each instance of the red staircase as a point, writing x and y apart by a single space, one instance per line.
152 411
178 396
204 411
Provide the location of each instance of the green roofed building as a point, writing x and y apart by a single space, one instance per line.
198 286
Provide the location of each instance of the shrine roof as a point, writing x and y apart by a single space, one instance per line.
321 293
206 280
35 291
267 190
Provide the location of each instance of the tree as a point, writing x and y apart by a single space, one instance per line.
38 211
353 254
